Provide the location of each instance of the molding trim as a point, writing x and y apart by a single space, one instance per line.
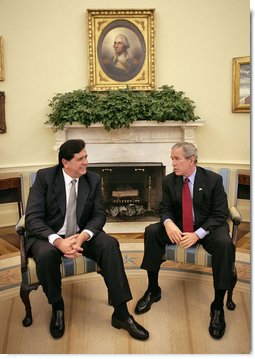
24 167
138 132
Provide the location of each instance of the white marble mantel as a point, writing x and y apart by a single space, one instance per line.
144 141
139 132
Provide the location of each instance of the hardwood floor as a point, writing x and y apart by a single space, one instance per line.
9 240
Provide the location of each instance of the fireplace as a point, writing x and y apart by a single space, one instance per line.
131 191
147 144
144 141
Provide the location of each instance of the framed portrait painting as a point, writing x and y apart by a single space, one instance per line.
241 84
121 47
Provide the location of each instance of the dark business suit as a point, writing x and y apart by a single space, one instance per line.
211 213
45 215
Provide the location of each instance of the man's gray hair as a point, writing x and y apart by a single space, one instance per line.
124 39
189 149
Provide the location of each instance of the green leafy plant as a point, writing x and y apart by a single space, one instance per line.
120 108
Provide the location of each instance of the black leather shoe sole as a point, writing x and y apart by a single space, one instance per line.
144 304
133 328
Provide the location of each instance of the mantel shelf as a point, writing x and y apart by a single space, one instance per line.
138 132
138 124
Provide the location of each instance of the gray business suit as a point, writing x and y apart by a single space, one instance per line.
45 215
211 213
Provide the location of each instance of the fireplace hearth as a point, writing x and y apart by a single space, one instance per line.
131 191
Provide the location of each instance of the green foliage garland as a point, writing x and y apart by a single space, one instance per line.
120 108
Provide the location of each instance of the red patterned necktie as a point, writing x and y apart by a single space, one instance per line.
187 218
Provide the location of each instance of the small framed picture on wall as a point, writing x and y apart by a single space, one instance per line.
121 49
241 84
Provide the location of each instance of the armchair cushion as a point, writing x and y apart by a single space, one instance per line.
68 267
193 255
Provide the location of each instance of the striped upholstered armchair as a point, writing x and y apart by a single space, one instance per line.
29 280
196 254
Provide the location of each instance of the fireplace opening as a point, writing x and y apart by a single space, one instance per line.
131 191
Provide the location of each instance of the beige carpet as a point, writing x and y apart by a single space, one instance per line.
178 324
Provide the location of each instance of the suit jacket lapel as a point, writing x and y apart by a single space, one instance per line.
198 191
83 192
60 191
178 184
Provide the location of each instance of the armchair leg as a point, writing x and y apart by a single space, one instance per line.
230 304
24 295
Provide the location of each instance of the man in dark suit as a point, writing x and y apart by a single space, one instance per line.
47 226
209 214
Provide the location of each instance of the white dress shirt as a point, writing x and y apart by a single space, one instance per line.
62 230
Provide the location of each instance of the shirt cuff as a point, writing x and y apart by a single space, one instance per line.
167 220
52 238
91 234
201 233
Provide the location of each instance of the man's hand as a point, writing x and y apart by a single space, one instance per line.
173 232
70 246
82 237
175 235
188 239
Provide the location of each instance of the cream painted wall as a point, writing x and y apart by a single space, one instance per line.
45 52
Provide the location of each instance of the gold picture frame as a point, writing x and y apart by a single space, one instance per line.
109 32
1 59
241 79
2 112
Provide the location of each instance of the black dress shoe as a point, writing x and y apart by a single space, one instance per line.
217 323
144 304
57 324
135 329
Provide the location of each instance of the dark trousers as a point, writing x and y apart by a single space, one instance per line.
218 243
102 248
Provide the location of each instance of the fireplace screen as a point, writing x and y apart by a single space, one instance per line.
131 191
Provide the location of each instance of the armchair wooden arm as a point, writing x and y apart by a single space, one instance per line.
20 229
236 219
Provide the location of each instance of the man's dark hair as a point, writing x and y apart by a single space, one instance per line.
68 149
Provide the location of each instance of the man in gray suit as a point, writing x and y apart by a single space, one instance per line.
208 226
46 226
